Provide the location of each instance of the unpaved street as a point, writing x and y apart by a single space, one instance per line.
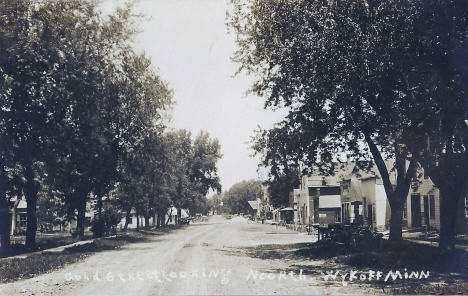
204 258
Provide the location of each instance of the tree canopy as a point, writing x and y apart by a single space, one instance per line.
84 115
345 71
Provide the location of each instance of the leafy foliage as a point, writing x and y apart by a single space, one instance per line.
237 197
83 115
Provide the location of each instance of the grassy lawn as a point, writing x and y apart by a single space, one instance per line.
13 269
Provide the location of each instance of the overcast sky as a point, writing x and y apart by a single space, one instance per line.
188 41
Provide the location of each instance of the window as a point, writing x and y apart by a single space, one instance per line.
338 215
431 206
21 220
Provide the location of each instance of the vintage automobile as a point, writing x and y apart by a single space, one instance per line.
183 221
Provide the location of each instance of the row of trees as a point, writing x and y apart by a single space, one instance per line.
391 74
83 115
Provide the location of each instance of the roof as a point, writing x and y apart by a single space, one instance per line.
346 171
253 204
329 201
22 204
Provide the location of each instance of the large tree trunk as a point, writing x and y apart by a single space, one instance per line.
128 216
396 221
100 224
147 221
81 207
5 221
448 217
31 191
163 215
396 197
179 214
451 180
4 215
158 221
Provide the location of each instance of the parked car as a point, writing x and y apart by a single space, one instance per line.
184 221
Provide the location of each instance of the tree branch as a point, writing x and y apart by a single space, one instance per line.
380 163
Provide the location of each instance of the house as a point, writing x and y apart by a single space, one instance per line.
422 207
172 214
346 196
351 201
170 217
318 200
254 206
375 206
326 204
286 215
18 216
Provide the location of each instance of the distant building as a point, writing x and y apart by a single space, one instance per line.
18 216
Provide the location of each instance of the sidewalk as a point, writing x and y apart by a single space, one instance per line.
417 237
57 249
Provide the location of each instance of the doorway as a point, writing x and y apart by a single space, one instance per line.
416 211
426 212
370 216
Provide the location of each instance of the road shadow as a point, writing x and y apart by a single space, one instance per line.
389 256
446 271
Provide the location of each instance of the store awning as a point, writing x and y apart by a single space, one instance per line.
329 201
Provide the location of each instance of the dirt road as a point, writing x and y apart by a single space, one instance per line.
200 259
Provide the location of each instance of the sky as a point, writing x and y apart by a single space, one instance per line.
188 41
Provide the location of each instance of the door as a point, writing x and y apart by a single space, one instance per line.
370 216
345 211
416 211
316 210
426 212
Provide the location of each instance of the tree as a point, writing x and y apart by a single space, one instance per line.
75 96
237 197
215 203
194 169
203 173
438 84
284 173
13 31
339 67
179 150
